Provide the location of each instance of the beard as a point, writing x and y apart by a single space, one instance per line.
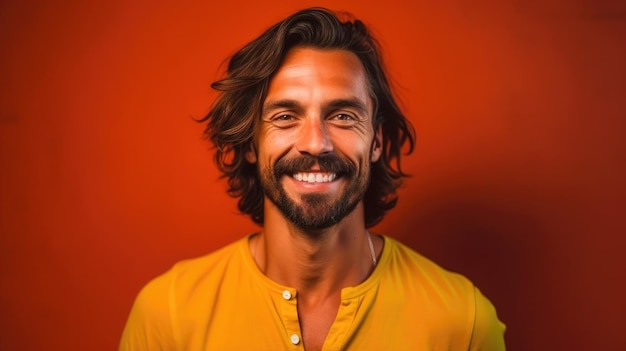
316 210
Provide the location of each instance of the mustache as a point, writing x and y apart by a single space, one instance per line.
327 163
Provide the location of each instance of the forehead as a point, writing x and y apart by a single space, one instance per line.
320 72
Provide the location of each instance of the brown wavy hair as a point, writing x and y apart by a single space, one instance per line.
233 118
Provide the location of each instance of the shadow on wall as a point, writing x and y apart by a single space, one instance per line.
498 246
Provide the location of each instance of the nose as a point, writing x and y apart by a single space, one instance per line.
313 137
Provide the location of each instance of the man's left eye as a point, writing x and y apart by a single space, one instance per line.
283 117
343 117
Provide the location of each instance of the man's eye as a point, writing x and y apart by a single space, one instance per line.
283 118
343 117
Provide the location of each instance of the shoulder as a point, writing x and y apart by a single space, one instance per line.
198 267
420 270
155 316
200 273
446 299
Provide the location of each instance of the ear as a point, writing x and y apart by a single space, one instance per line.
251 154
377 144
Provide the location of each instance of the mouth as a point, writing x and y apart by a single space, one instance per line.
314 177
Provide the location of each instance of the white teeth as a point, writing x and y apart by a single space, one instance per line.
315 177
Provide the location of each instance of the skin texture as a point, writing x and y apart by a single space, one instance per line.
316 125
317 108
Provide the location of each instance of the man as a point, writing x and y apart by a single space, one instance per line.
309 136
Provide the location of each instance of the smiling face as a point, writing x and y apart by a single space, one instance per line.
316 138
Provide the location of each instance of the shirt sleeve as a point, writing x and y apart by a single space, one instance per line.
149 325
488 332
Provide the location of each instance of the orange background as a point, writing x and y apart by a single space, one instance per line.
518 174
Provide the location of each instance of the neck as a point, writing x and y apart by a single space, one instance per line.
318 263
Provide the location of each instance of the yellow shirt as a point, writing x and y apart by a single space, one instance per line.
222 301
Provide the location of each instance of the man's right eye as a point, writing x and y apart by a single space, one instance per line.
283 120
283 117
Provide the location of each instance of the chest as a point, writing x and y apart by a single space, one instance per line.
315 323
250 319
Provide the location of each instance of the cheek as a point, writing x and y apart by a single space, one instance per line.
274 146
356 146
358 155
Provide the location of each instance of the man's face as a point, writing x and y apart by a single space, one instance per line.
316 139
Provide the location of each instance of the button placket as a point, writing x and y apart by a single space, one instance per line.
346 315
289 309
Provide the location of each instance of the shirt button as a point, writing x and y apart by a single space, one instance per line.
287 296
295 339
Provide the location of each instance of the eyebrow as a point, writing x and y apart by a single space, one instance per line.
356 104
279 104
332 105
